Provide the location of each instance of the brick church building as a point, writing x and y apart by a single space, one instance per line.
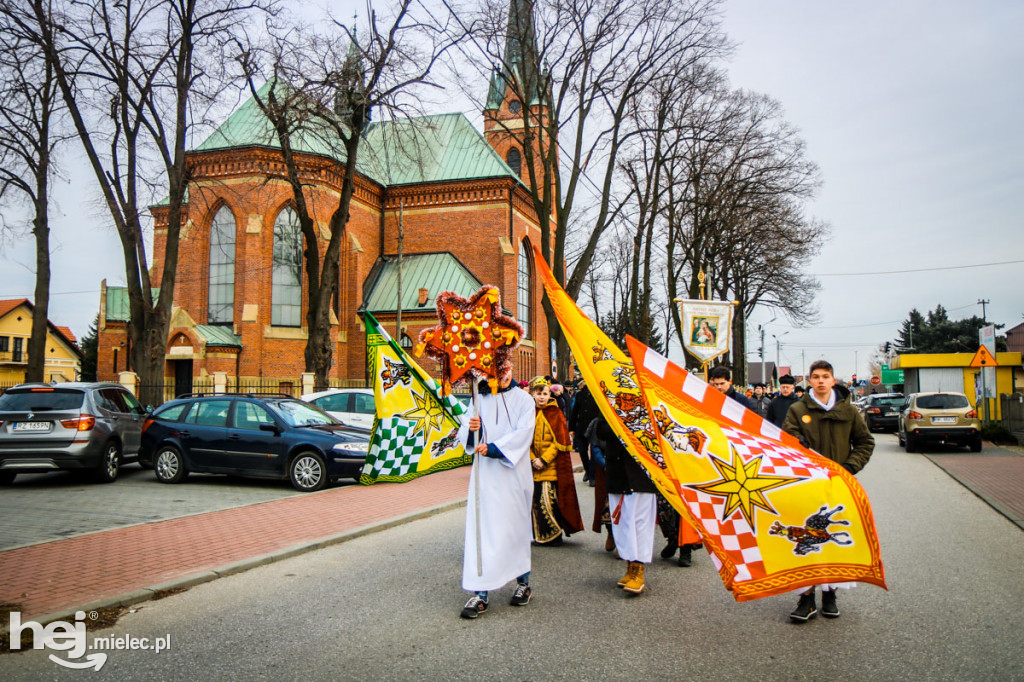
466 216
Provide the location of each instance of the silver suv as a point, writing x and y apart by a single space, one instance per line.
87 426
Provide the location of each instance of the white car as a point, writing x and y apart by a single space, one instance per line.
352 406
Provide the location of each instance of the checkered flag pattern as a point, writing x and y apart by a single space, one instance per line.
777 459
394 451
736 537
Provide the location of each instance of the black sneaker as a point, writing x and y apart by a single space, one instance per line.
521 597
829 608
805 609
474 607
669 550
685 556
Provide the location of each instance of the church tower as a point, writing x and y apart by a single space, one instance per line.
519 96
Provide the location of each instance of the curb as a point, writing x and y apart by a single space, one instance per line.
186 582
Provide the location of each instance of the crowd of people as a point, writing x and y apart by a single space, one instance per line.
523 493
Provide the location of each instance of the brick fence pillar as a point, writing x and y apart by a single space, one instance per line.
130 380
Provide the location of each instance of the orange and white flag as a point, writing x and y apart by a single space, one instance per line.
774 515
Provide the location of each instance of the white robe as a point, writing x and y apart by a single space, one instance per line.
634 530
506 493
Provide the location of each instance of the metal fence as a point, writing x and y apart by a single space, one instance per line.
1011 407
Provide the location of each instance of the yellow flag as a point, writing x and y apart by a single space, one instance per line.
610 378
774 515
415 429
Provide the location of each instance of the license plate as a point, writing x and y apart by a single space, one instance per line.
30 426
943 420
889 413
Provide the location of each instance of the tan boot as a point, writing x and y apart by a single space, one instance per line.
609 543
636 585
630 570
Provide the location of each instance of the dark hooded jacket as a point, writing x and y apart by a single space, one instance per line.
779 408
839 434
622 474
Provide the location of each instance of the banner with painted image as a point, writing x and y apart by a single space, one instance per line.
707 327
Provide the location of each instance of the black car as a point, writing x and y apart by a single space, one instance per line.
251 435
882 411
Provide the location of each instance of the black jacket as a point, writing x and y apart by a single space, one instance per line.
740 398
622 474
779 407
584 411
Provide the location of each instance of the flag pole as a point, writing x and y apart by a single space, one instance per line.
474 411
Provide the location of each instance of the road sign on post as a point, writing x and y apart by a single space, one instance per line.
892 376
875 381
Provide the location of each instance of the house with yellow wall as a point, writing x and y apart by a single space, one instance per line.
63 357
928 372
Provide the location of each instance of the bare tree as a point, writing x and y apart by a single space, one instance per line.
322 92
136 76
28 118
579 68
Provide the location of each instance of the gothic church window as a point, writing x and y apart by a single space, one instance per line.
515 161
286 284
221 301
523 290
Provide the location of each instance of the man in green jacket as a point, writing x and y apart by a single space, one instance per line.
827 422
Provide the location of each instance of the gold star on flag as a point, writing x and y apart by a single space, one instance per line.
741 486
428 414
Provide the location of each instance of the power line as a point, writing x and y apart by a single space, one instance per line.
903 272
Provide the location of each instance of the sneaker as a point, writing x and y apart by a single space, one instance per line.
829 608
669 550
474 607
521 597
685 556
805 609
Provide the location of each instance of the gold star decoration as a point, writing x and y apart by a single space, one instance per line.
742 487
428 415
472 337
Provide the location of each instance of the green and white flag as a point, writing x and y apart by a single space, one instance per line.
415 428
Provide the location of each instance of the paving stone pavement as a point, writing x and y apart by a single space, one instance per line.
44 507
996 476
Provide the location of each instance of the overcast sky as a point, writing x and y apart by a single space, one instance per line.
912 110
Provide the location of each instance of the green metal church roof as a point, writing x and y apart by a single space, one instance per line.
435 272
436 148
217 335
118 307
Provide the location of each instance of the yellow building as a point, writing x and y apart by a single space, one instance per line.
927 372
63 358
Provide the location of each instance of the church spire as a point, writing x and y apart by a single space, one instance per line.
520 59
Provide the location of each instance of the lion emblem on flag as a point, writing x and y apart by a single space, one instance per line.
808 537
394 373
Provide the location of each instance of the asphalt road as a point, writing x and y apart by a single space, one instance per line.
385 606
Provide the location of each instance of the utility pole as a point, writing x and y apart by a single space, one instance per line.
401 237
760 329
983 302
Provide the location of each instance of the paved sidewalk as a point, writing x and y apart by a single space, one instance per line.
996 476
51 580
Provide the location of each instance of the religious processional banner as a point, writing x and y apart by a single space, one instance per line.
774 515
707 327
415 429
609 375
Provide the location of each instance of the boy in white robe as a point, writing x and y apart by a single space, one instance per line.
498 508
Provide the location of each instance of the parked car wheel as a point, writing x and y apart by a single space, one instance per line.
911 443
308 472
169 465
7 477
976 444
109 466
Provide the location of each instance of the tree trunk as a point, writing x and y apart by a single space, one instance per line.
41 229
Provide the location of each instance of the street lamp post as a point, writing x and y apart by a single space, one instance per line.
778 344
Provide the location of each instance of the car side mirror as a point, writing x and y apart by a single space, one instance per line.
273 428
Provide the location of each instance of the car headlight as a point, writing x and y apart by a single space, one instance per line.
357 447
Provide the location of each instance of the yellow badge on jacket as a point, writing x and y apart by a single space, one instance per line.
806 419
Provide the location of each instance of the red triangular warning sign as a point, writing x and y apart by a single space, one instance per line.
983 358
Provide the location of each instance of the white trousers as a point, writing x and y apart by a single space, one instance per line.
633 519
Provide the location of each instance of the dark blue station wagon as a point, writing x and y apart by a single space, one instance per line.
251 435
